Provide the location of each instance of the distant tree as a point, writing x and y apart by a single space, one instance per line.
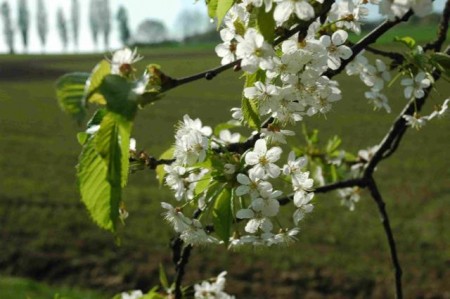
24 22
42 22
8 29
75 20
94 19
62 28
105 21
192 22
124 30
151 32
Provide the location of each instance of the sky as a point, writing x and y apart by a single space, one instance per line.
138 10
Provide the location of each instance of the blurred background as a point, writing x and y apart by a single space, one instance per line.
48 243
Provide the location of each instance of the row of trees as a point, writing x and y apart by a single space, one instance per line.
99 20
189 23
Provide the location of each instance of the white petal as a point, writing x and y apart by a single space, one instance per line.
339 37
245 214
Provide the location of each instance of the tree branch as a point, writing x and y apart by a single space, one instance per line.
442 30
390 237
392 139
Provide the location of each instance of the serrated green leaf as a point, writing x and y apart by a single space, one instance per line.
100 197
222 215
406 40
112 142
119 96
266 24
101 70
70 94
249 107
160 172
223 6
250 113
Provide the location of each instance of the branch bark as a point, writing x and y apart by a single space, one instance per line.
375 193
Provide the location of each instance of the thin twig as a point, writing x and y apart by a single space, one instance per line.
390 236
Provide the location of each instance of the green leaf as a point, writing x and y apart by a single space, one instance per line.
203 184
163 277
443 60
249 107
222 215
100 71
112 142
212 7
70 94
160 172
98 194
266 24
406 40
333 144
119 96
82 137
103 168
223 6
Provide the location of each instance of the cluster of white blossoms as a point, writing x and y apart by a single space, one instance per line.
212 290
374 76
191 145
285 82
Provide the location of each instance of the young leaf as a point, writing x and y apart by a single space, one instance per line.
223 6
406 40
163 277
222 215
119 96
212 7
97 193
160 172
112 142
250 107
70 94
100 71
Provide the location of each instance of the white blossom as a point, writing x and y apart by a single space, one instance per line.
122 60
285 8
414 87
212 290
263 160
254 51
136 294
415 121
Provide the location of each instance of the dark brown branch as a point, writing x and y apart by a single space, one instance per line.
390 236
370 38
392 139
360 182
180 268
442 30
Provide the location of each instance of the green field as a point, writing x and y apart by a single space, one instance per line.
48 236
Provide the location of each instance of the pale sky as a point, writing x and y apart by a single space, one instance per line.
138 10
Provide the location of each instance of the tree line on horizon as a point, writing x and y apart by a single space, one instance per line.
149 31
